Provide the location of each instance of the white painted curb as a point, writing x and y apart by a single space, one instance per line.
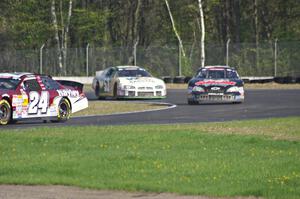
168 106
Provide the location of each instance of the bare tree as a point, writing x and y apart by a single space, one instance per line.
256 31
202 33
61 34
175 30
135 33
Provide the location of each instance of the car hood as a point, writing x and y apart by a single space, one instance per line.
215 82
140 81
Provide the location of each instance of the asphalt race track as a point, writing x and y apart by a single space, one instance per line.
258 104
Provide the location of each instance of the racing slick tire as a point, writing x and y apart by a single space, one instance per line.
115 92
97 89
5 112
192 102
97 92
64 111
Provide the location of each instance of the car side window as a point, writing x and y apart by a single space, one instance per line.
32 85
110 72
50 84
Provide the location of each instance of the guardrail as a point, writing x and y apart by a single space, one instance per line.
183 79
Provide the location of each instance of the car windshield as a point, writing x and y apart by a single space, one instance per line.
133 73
8 83
217 74
230 74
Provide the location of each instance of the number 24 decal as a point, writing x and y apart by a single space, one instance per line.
38 102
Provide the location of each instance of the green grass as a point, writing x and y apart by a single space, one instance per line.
214 159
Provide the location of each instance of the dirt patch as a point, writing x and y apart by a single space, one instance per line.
65 192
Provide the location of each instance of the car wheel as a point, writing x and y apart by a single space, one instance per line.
97 89
115 94
97 92
5 112
191 102
64 111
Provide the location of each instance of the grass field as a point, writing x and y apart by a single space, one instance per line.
257 157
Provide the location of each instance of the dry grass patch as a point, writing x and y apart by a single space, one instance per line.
276 128
112 107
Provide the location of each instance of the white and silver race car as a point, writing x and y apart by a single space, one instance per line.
130 82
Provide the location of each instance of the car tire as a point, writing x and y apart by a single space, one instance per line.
97 92
192 102
97 89
115 92
5 112
64 111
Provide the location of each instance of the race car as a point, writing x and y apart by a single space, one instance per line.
216 84
27 95
130 82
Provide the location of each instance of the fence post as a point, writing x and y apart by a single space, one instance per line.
87 59
179 60
275 58
134 56
41 58
227 52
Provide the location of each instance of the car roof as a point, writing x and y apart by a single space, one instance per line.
217 66
16 75
129 67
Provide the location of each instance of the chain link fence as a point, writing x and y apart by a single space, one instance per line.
266 59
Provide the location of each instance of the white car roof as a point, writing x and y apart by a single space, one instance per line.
129 67
217 66
14 75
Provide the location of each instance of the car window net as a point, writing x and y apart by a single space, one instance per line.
8 83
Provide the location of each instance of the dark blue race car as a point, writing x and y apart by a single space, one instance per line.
216 84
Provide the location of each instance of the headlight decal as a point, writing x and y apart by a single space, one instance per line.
128 87
235 89
198 89
159 87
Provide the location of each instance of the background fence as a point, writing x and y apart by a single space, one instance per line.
268 59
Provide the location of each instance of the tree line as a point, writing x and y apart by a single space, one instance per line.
63 24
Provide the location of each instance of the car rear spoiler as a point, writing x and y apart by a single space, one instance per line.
78 86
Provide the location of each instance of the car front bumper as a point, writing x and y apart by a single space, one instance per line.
142 94
215 98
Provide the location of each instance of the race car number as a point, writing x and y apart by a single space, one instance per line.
38 102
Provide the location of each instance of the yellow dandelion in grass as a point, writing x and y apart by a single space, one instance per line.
103 146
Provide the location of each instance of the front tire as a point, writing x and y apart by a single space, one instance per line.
64 111
97 89
192 102
115 92
97 92
5 112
